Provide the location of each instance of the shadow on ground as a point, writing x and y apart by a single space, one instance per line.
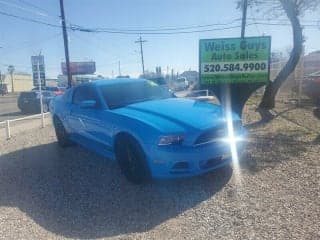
77 194
270 149
266 117
316 112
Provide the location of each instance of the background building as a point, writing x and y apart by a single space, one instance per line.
21 81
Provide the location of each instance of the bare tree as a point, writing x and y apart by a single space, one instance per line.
293 9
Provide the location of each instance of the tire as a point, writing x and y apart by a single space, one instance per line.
132 160
61 133
23 111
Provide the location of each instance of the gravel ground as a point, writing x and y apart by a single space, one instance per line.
51 193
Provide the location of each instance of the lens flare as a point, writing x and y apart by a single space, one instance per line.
232 139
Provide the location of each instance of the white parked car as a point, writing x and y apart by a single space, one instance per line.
180 84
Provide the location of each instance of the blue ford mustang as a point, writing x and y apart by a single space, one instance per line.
144 127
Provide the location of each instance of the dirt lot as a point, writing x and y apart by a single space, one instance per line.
52 193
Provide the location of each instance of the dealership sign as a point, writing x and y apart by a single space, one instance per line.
79 68
234 60
38 68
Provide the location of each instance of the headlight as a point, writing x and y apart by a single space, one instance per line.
170 140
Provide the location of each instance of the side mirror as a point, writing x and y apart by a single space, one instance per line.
88 104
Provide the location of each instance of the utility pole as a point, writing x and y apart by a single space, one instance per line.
119 68
244 17
141 52
40 91
65 41
11 70
171 82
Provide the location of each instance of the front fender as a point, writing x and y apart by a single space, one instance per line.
145 134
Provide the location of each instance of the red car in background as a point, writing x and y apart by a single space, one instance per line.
56 90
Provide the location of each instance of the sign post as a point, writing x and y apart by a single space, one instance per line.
39 79
40 92
233 68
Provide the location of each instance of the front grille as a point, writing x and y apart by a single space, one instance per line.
210 163
210 135
216 133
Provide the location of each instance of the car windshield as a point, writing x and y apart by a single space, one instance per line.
120 95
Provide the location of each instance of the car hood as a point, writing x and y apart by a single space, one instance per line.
176 114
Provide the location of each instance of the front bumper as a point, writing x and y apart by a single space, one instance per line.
183 161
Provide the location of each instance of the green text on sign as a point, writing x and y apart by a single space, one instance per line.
234 60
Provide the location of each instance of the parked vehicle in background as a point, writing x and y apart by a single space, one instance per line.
3 89
311 87
180 84
123 76
56 90
160 81
201 95
29 102
149 132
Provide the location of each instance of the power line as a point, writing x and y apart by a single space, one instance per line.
82 29
184 32
101 30
37 7
11 4
34 9
104 51
284 24
254 20
150 33
143 30
25 45
29 19
44 12
167 28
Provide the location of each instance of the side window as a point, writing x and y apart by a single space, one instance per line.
67 95
84 93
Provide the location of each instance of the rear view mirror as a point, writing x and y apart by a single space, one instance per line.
88 104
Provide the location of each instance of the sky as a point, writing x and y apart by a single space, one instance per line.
19 39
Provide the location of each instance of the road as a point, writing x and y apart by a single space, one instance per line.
9 108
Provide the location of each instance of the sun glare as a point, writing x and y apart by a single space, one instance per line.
232 139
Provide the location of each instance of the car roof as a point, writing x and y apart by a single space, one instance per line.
103 82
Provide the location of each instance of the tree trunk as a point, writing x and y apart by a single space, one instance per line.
268 99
